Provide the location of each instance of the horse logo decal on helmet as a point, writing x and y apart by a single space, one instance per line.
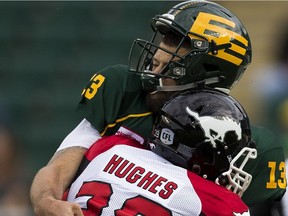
215 128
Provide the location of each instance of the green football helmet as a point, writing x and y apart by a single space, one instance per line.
219 50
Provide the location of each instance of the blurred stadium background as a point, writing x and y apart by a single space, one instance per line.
50 49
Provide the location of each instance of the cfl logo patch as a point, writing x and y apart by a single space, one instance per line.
167 136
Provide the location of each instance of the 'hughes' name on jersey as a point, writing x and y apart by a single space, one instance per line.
145 179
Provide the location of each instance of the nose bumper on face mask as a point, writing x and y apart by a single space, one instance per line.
149 82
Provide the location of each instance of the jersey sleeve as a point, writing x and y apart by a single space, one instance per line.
217 200
267 170
112 98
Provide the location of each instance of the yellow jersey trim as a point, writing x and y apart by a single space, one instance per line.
123 119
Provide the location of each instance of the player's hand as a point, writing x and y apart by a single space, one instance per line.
53 207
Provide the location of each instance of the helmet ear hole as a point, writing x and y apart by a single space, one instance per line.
211 68
222 180
196 169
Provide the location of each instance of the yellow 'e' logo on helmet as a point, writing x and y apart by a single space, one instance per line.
206 25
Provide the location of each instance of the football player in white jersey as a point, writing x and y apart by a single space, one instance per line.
183 170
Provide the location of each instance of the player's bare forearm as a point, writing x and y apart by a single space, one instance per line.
52 180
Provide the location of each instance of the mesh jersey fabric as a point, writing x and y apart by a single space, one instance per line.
119 175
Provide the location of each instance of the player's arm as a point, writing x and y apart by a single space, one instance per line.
51 181
100 104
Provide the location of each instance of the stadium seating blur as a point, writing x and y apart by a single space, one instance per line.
49 50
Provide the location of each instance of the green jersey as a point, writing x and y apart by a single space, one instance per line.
113 98
267 170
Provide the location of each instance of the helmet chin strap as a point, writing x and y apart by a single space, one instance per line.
188 86
175 88
227 91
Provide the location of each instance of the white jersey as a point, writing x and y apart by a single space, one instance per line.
119 177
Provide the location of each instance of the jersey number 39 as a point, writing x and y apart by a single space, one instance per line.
97 195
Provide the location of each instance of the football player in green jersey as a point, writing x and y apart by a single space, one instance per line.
195 44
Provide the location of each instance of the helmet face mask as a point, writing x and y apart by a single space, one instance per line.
177 64
205 131
219 47
239 180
